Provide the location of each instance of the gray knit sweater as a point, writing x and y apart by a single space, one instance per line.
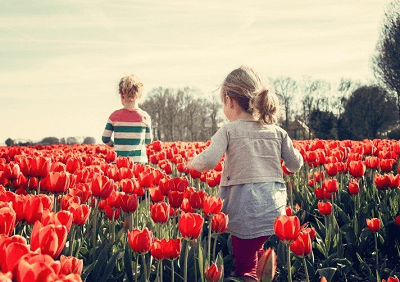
253 153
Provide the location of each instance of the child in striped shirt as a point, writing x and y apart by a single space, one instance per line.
131 125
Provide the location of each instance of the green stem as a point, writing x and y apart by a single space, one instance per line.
173 271
161 271
144 268
209 240
305 269
113 227
376 256
72 239
215 246
94 233
186 260
137 263
288 263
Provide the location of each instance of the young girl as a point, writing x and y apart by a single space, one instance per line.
252 184
131 125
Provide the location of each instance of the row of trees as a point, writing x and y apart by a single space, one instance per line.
51 141
182 114
347 110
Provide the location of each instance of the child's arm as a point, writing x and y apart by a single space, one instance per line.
210 157
149 136
106 138
292 157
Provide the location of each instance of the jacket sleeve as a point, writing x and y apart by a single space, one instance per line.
291 156
211 156
106 137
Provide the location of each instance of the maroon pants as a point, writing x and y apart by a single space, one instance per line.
246 253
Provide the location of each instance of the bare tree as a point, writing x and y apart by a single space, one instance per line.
285 87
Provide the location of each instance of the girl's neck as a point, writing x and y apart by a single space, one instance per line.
243 115
131 106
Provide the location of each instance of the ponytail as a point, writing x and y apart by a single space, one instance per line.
254 96
264 105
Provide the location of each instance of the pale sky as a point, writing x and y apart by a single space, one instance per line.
61 61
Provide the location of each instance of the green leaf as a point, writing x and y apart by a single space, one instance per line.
88 269
327 272
201 261
102 259
363 265
111 265
127 263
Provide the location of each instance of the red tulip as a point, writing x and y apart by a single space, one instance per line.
102 186
391 279
12 171
171 248
60 218
140 240
185 206
213 179
146 179
175 198
387 164
156 195
325 208
129 203
331 169
288 211
40 167
190 225
156 249
372 162
219 223
159 212
128 186
330 185
373 224
212 205
49 239
394 181
382 181
302 245
354 187
8 219
397 220
68 199
196 199
73 164
37 267
287 228
11 250
266 267
213 273
70 265
357 168
112 213
33 209
80 213
311 231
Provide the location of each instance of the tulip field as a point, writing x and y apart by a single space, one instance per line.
80 213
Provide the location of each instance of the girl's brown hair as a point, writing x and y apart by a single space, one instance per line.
131 87
247 88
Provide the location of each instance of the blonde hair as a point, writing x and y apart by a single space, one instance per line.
131 87
247 88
